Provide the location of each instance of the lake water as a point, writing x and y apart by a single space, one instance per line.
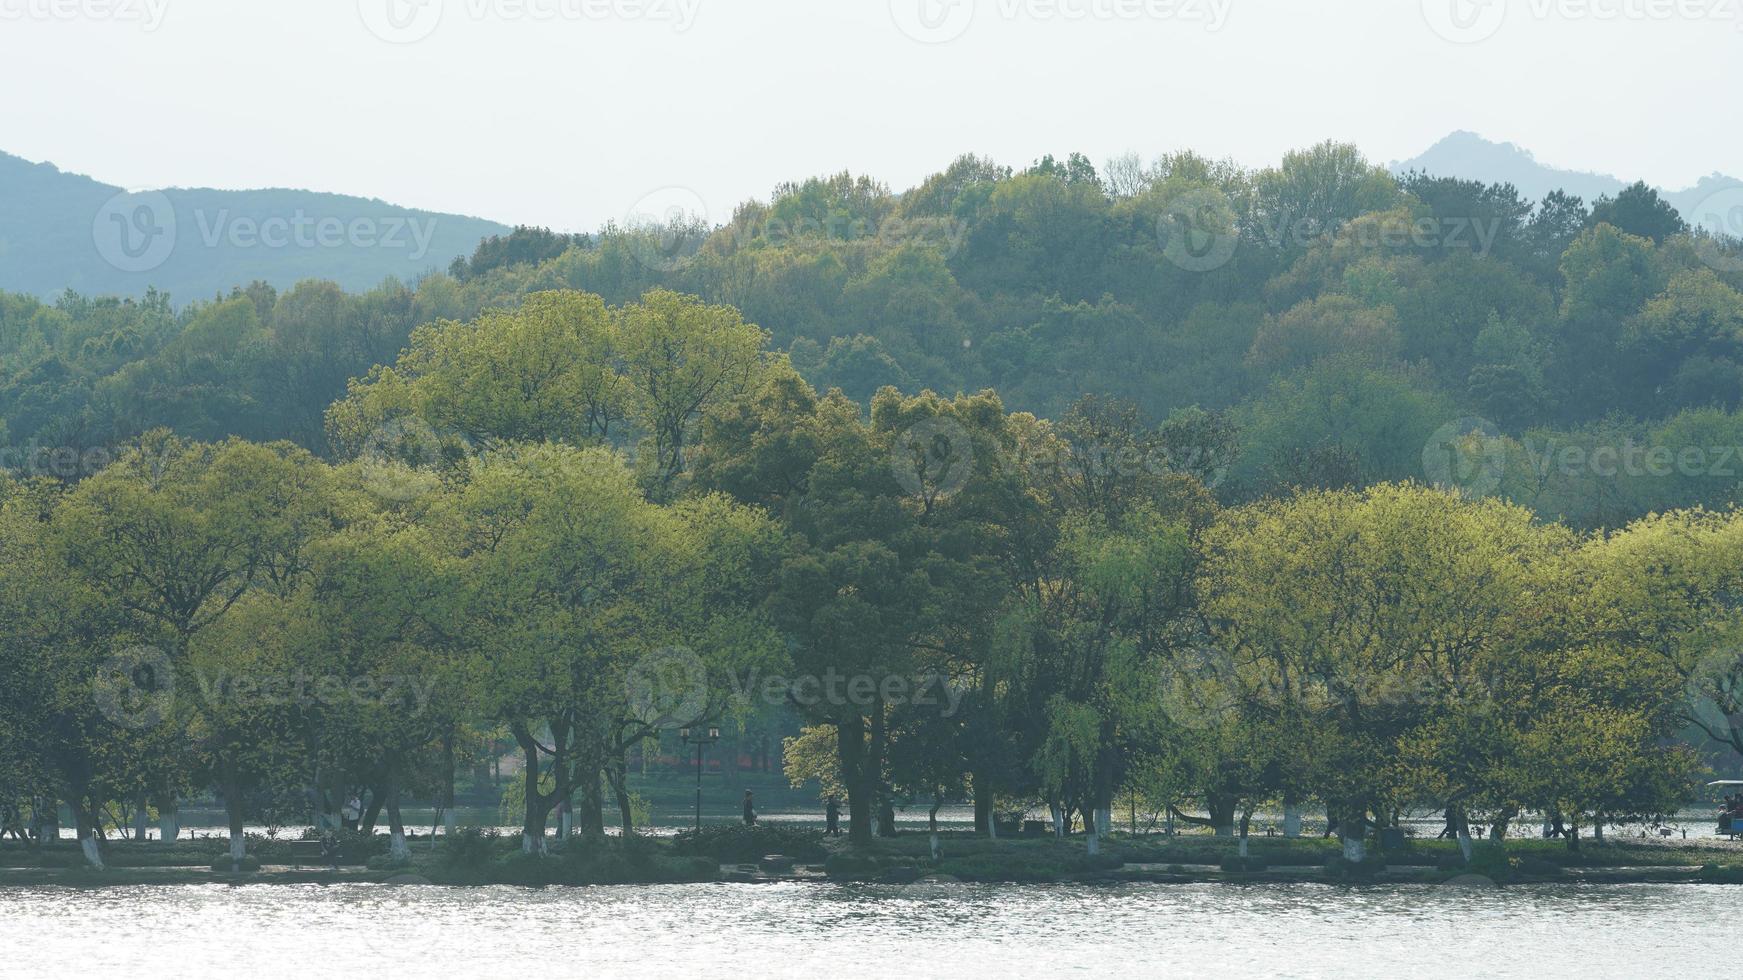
825 931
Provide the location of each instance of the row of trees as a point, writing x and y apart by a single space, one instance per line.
579 523
1336 315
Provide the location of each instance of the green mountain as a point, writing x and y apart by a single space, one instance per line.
60 230
1466 155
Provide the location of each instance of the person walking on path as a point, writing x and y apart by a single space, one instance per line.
750 810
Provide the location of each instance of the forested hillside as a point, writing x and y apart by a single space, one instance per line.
62 230
1320 323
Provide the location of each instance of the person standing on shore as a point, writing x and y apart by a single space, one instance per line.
750 810
832 817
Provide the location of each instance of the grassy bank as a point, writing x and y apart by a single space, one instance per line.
777 852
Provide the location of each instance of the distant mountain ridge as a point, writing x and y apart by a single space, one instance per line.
1471 157
63 231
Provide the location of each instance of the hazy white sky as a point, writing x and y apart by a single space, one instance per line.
569 112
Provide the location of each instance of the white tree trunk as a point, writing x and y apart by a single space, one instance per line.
92 855
1355 849
1291 821
529 844
397 848
238 848
449 825
1465 844
167 827
1093 843
935 845
1243 847
992 826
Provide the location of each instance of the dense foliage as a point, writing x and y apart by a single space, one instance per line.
283 545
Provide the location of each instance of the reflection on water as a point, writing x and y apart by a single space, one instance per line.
825 931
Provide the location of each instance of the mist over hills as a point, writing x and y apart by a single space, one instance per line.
1471 157
61 231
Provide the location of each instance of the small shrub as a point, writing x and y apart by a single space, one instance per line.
387 862
470 849
249 865
1491 862
1343 869
739 844
1241 865
530 870
683 870
1538 867
1720 874
1105 861
1006 867
848 865
640 851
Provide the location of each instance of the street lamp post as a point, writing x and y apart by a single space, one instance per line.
699 740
